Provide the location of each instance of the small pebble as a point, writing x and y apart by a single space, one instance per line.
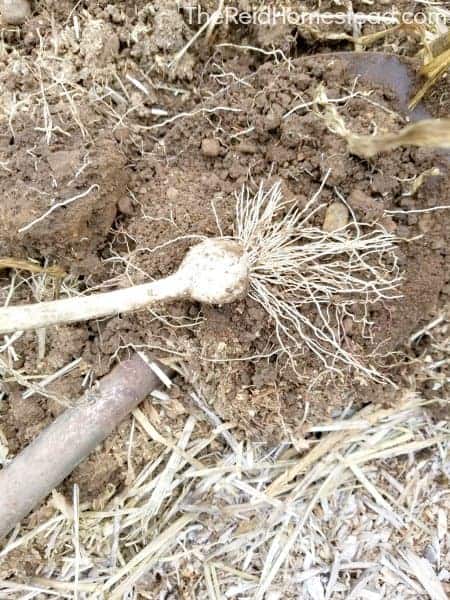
15 12
210 147
272 120
122 134
336 217
126 206
172 194
247 148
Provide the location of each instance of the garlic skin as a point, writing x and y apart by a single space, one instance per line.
216 271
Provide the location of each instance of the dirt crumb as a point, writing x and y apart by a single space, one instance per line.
67 203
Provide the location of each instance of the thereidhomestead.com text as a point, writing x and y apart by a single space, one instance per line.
289 16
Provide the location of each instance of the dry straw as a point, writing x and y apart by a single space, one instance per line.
349 516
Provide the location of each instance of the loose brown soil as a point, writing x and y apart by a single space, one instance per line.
151 183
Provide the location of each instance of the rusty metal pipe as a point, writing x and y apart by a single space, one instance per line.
59 448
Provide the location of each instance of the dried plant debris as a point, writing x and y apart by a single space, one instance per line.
358 511
31 267
437 67
428 133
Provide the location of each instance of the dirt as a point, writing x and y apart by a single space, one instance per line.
59 174
131 184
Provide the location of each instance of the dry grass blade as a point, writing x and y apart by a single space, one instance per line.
422 569
26 265
144 559
322 449
208 26
163 488
433 71
372 38
429 133
438 65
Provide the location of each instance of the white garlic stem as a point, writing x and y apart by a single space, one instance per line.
214 272
84 308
